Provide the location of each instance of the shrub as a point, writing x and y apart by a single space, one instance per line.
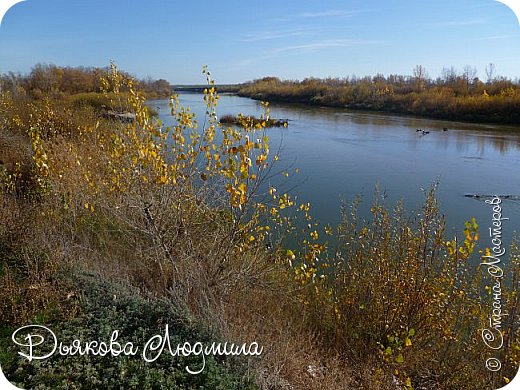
396 286
104 307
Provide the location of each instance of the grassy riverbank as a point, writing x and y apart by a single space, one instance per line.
130 226
454 97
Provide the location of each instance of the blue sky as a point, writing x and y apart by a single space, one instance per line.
243 40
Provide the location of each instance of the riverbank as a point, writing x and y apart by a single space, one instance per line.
151 233
497 102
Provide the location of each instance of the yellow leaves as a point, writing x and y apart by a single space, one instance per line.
261 159
144 152
210 94
248 146
238 194
242 188
328 230
304 207
244 168
40 158
450 247
285 201
471 236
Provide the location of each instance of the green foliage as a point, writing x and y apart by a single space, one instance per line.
105 307
95 100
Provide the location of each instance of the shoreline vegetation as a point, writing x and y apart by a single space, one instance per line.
79 87
456 96
133 225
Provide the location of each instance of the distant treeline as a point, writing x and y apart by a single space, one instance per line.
57 81
454 95
222 88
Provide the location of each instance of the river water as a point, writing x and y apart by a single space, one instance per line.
341 154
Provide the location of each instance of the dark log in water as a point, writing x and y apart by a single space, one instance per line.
479 196
240 120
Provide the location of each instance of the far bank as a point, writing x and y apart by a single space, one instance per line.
451 97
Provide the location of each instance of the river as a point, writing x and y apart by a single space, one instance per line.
341 154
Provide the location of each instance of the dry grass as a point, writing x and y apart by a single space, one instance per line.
14 148
295 356
106 204
33 264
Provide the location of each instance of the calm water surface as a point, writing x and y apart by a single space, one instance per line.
341 154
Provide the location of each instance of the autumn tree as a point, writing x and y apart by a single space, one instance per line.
490 72
420 76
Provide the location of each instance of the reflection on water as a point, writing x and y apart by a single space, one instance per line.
343 153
